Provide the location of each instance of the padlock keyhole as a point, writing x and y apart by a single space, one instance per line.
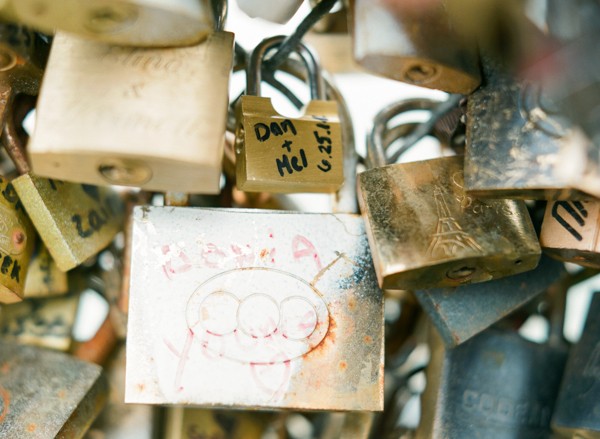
461 273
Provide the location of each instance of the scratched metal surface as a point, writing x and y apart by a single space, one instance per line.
486 302
46 394
252 308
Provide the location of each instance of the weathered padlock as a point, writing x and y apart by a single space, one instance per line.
487 302
46 394
279 154
570 231
43 278
75 221
44 322
122 22
527 153
123 128
577 412
17 240
424 231
495 385
281 307
416 43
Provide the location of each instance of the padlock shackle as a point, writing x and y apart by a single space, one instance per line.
376 147
12 143
309 58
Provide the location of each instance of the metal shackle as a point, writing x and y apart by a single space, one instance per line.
382 136
309 58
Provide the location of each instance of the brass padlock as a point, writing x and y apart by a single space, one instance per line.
122 22
17 240
424 230
46 394
570 231
75 221
416 43
43 278
528 153
105 114
279 154
269 314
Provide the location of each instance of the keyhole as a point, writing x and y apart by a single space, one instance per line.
461 273
420 73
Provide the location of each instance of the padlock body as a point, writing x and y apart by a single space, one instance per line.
414 43
531 152
76 221
570 232
123 22
123 129
17 240
30 377
496 385
279 154
253 301
21 59
577 411
44 279
424 231
277 12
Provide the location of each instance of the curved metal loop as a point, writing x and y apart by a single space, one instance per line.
309 58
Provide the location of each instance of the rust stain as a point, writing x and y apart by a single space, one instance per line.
264 252
343 366
328 339
5 368
141 387
352 303
62 394
31 428
368 339
5 395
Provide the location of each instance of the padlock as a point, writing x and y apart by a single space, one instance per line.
416 43
123 128
122 22
17 240
44 322
270 314
46 394
44 279
424 231
279 154
570 231
577 412
487 302
278 12
495 385
75 221
532 152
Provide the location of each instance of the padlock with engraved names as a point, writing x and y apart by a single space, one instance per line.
487 302
531 152
122 22
414 42
281 307
46 394
17 241
44 279
105 114
44 322
424 231
279 154
577 412
570 231
496 385
75 221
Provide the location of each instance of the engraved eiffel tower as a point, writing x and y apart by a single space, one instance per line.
449 237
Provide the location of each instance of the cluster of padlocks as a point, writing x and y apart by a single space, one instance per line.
245 318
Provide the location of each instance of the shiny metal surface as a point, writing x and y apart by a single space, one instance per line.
424 231
46 394
123 130
281 311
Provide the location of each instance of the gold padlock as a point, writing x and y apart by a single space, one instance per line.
414 42
105 114
17 238
424 231
123 22
43 278
531 152
279 154
570 231
75 221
